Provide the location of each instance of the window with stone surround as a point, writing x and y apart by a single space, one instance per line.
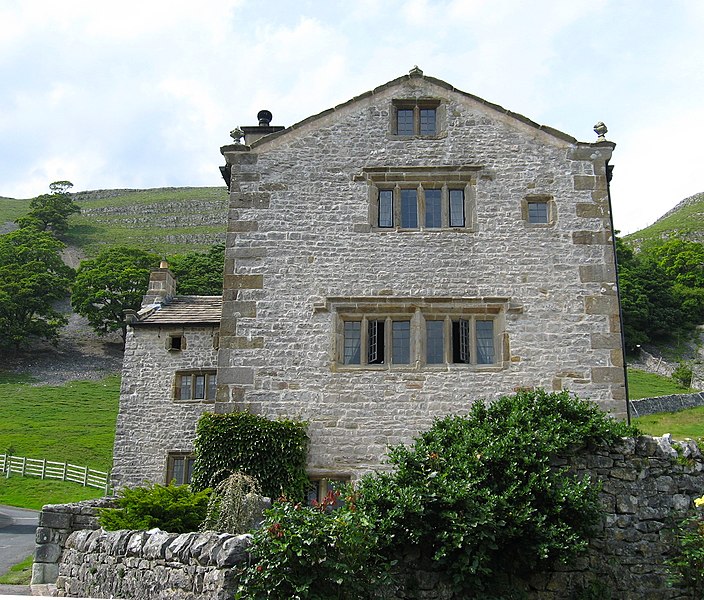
421 198
175 342
179 467
538 210
390 333
195 386
415 118
320 486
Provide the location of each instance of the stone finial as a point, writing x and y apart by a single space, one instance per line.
264 117
601 131
237 134
415 72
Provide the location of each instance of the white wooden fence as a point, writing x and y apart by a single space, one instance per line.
49 469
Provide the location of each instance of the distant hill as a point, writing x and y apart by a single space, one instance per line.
162 220
685 221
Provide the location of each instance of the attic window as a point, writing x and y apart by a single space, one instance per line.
415 118
175 343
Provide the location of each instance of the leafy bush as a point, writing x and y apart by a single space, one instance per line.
273 452
315 553
173 508
480 495
234 505
478 498
683 374
686 568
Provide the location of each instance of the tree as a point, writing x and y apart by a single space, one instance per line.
50 212
199 273
32 278
112 282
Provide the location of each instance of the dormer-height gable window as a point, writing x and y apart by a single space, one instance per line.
416 118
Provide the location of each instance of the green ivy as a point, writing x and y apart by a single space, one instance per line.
172 508
273 452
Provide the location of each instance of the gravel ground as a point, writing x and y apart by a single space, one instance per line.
80 354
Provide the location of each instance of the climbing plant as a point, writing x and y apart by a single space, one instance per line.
273 452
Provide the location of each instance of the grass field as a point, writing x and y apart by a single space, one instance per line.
682 424
20 574
642 384
71 423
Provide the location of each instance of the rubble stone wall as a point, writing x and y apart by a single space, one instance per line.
647 485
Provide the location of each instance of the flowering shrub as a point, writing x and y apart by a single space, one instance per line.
314 552
687 567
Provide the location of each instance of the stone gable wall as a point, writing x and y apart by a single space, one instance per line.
150 422
647 485
299 233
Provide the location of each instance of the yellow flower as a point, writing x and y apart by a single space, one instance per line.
699 501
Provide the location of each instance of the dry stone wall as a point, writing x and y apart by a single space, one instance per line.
647 484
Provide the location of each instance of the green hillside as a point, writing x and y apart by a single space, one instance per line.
162 220
685 221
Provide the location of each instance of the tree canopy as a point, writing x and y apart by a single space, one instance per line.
110 283
32 278
50 212
662 290
199 273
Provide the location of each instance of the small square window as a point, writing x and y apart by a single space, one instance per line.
176 343
414 118
428 120
405 121
538 212
179 468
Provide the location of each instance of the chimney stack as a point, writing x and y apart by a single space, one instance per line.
162 286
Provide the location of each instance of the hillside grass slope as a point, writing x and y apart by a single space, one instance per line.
685 221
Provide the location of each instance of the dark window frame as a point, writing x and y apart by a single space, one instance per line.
209 385
179 467
425 122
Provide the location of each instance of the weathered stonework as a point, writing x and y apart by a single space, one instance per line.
647 485
302 231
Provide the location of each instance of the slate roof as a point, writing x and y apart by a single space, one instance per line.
183 310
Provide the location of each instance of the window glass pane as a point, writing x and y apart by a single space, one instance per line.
401 342
456 208
352 342
177 470
199 387
433 211
435 342
186 383
409 209
485 342
212 386
404 122
375 354
460 341
537 212
189 469
427 121
386 208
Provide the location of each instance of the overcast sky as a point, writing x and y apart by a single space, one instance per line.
143 94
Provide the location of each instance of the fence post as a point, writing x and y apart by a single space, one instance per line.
63 475
85 476
43 467
107 482
8 466
24 465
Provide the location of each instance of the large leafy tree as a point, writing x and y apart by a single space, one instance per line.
199 273
110 283
32 278
50 212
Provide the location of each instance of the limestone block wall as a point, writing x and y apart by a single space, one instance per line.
56 523
671 403
302 240
150 565
150 422
647 484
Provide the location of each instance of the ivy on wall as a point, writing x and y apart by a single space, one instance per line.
273 452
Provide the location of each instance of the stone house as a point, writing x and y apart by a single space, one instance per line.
389 260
